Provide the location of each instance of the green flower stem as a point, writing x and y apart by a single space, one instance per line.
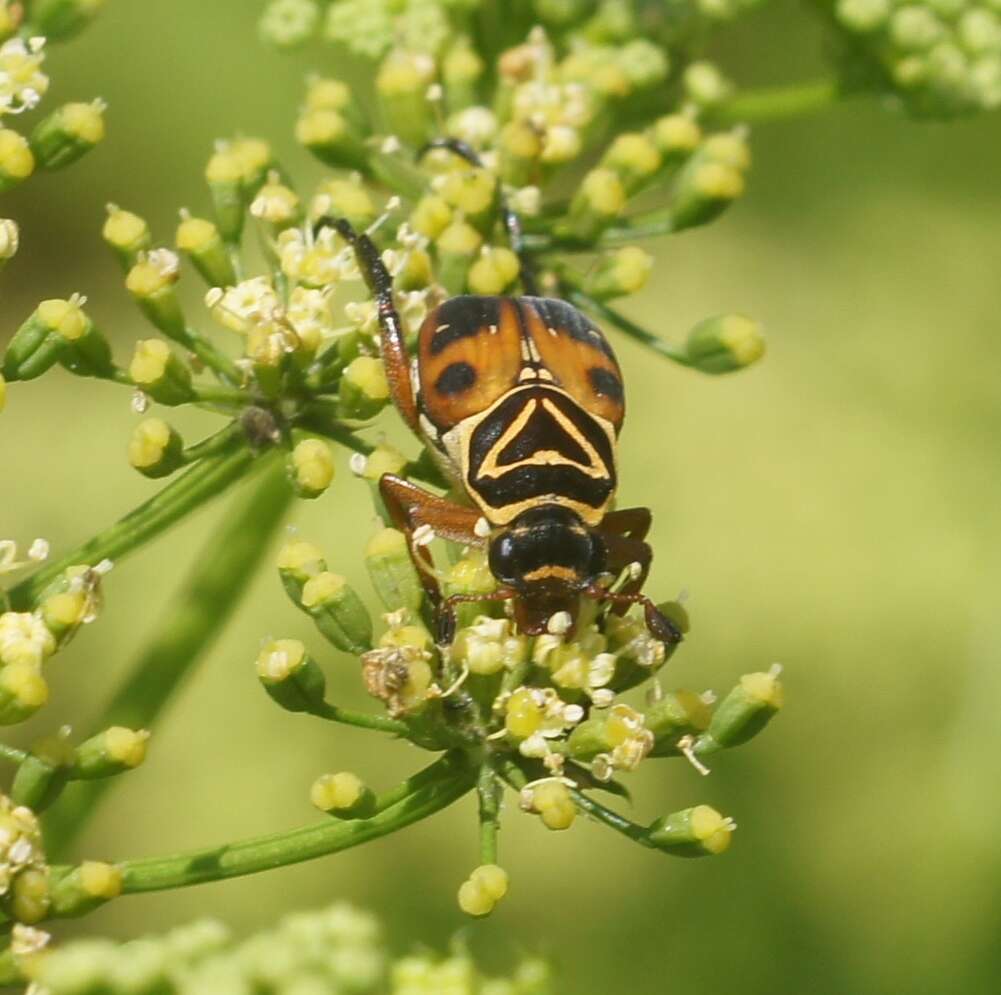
214 444
180 497
228 396
487 788
362 720
628 326
648 224
447 780
217 361
774 103
12 754
185 634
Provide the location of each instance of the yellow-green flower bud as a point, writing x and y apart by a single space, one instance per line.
201 241
494 271
863 15
474 193
61 19
324 92
676 714
276 204
520 147
288 23
457 248
344 795
332 137
67 133
364 390
23 692
401 86
523 714
551 799
703 189
31 898
156 371
676 135
393 574
729 148
85 887
645 63
63 612
10 236
431 216
17 162
345 198
461 70
416 270
155 449
338 611
151 282
705 84
224 175
290 676
113 751
634 157
745 711
311 468
484 888
86 351
618 273
126 233
597 203
694 832
298 561
725 343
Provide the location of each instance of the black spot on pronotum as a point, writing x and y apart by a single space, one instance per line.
605 383
455 378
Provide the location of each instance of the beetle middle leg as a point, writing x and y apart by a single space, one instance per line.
380 286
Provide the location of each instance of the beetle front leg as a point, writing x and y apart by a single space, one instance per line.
380 286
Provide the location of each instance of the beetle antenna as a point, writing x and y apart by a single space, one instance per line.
510 218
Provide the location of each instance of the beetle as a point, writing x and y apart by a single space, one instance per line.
520 400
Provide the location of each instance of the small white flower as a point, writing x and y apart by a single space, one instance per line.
38 551
24 638
22 82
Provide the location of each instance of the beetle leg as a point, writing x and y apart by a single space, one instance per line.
446 613
623 551
410 507
512 222
660 626
380 286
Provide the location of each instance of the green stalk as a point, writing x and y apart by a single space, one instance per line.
445 781
217 361
775 103
488 790
213 444
221 574
361 720
179 498
628 326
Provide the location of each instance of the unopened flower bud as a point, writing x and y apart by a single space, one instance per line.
151 282
705 84
725 343
745 711
694 832
67 134
431 216
338 611
561 143
290 676
156 371
676 135
645 63
85 887
484 888
457 247
288 23
551 799
674 715
16 160
461 70
393 574
597 203
9 239
155 449
520 147
332 137
474 193
364 390
401 88
494 271
126 233
61 19
523 714
31 897
344 795
345 198
86 351
634 157
64 611
618 273
276 204
298 561
310 468
23 692
113 751
224 174
201 241
863 15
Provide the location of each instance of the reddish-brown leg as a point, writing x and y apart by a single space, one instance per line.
410 507
446 613
623 552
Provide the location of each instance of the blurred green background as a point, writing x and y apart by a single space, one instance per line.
836 509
